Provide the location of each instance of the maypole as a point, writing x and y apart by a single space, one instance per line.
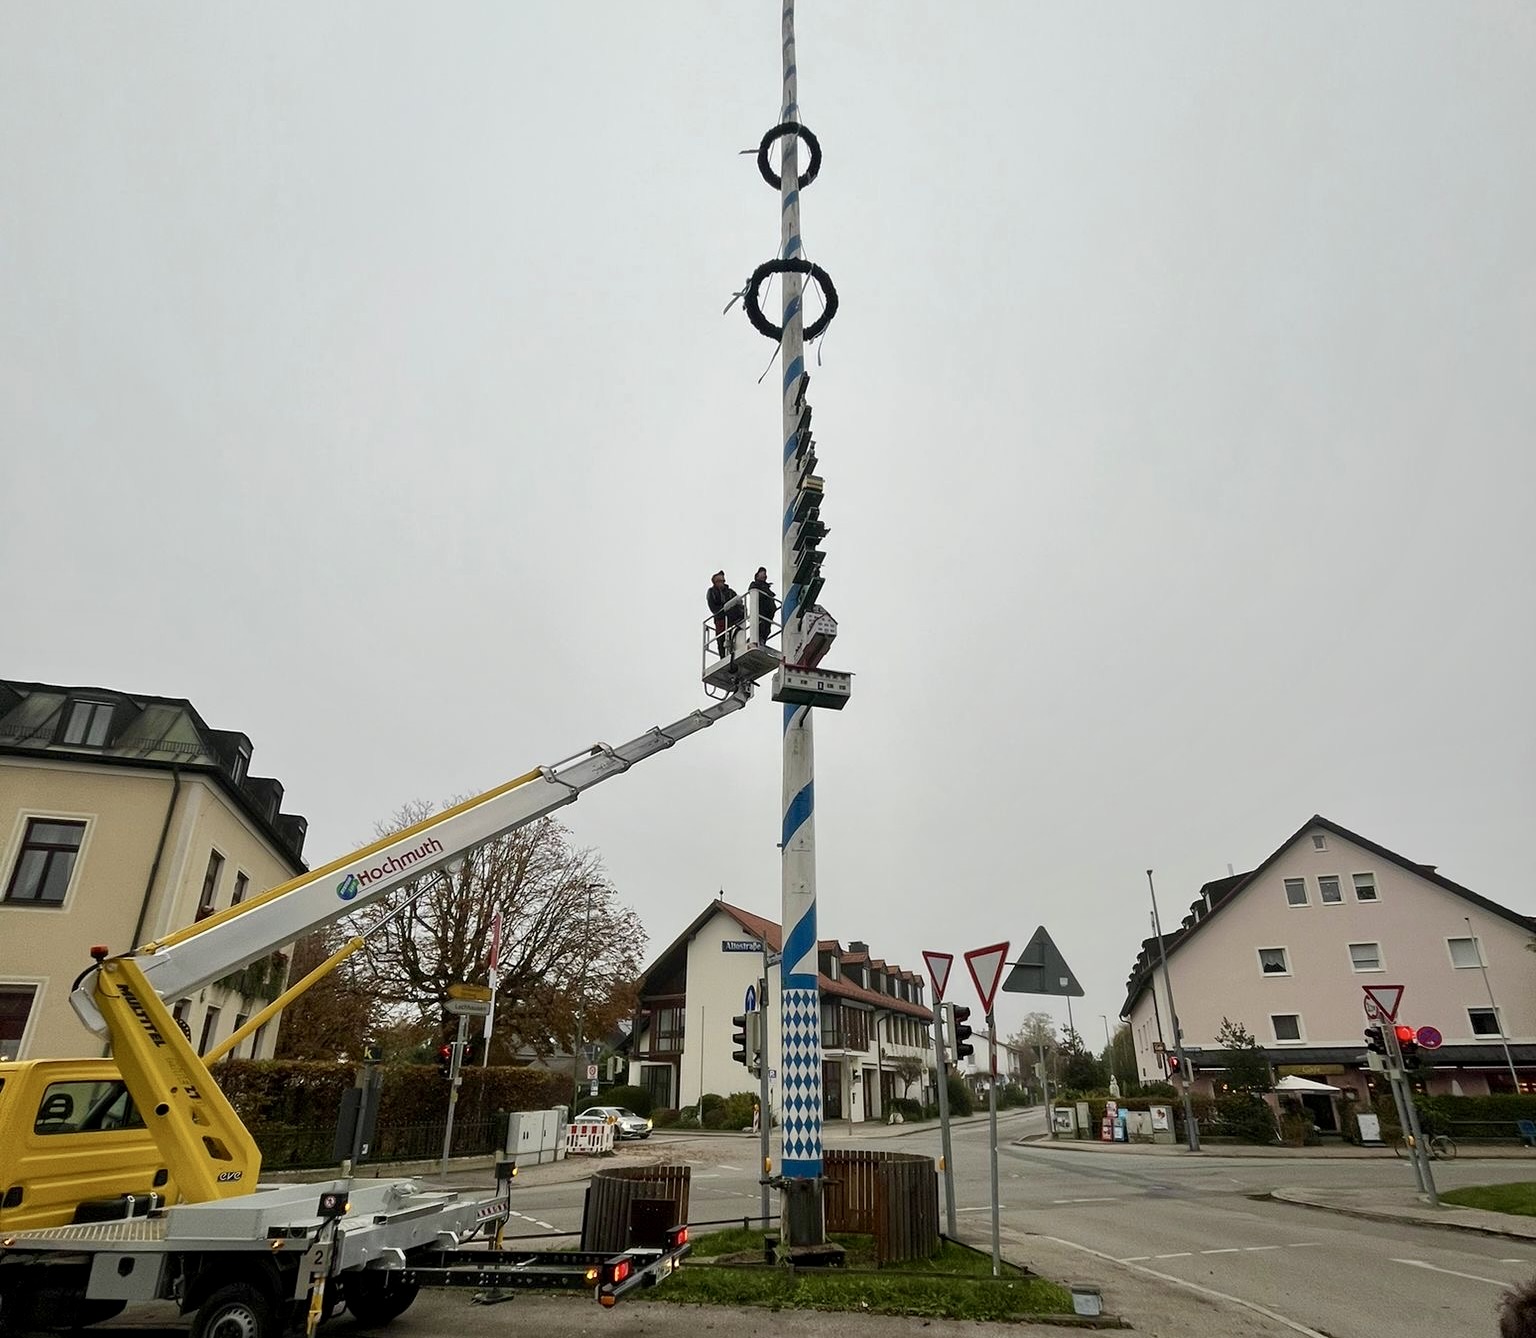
800 684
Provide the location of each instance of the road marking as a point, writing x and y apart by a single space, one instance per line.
1302 1244
1182 1254
985 1208
1196 1287
548 1226
724 1167
1085 1200
1134 1259
1229 1249
1250 1249
1473 1277
1514 1261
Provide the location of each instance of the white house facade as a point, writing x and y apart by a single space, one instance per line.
873 1017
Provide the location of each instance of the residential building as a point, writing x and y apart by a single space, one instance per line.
1286 949
123 817
872 1018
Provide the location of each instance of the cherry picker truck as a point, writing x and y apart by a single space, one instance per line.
187 1219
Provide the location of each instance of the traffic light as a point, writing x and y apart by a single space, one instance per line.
960 1046
747 1040
1375 1041
445 1060
1408 1044
474 1051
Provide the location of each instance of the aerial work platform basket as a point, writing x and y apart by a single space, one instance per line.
737 647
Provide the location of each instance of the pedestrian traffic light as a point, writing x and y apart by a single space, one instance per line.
960 1046
739 1038
1173 1063
445 1060
1374 1040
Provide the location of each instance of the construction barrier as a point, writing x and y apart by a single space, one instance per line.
590 1138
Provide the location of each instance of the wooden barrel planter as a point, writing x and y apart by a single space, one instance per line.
630 1206
892 1196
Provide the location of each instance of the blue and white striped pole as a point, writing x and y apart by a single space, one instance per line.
799 998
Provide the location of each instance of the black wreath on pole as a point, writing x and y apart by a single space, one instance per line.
762 324
777 133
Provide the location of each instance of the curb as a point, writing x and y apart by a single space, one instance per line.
1294 1196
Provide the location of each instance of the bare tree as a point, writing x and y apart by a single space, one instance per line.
335 1015
565 936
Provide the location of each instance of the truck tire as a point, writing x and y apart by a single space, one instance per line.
235 1310
377 1298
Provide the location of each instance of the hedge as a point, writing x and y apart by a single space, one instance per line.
308 1093
1442 1114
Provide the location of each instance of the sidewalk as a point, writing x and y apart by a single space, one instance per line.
1385 1205
1329 1152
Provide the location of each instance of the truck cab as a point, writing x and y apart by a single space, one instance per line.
72 1146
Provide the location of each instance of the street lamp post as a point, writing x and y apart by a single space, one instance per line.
1178 1031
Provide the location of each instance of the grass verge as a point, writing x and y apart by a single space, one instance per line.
724 1269
1517 1198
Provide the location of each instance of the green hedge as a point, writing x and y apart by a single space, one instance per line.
636 1099
308 1093
1442 1114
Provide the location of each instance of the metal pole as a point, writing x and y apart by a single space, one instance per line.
997 1257
1477 947
764 1115
453 1089
943 1096
1045 1091
799 998
1420 1152
581 1007
1178 1031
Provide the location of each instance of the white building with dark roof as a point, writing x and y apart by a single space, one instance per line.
123 817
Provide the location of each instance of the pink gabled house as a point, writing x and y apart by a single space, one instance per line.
1286 949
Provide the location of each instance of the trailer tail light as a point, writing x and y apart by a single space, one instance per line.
676 1237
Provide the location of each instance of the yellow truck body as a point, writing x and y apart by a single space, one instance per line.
71 1144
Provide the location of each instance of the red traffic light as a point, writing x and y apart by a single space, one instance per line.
1404 1034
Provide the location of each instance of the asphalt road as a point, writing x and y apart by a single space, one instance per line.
1184 1246
1198 1225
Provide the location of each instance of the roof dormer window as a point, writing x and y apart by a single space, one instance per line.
242 764
88 723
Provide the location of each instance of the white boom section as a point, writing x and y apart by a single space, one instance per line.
193 957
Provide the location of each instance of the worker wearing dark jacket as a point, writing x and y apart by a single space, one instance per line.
726 606
767 604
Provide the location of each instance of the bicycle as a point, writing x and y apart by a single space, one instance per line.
1442 1147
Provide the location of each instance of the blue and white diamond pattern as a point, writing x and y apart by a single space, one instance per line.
802 1083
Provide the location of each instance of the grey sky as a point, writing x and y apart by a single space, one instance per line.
363 379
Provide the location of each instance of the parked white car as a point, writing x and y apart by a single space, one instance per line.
629 1124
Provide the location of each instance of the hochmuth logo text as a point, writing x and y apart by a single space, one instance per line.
356 881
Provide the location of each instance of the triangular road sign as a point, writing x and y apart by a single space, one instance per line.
1041 969
938 971
986 968
1387 998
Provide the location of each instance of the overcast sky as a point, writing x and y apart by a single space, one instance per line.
363 379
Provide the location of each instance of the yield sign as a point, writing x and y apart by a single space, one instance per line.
938 971
986 968
1387 998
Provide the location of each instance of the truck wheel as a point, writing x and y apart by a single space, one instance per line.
377 1298
235 1310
